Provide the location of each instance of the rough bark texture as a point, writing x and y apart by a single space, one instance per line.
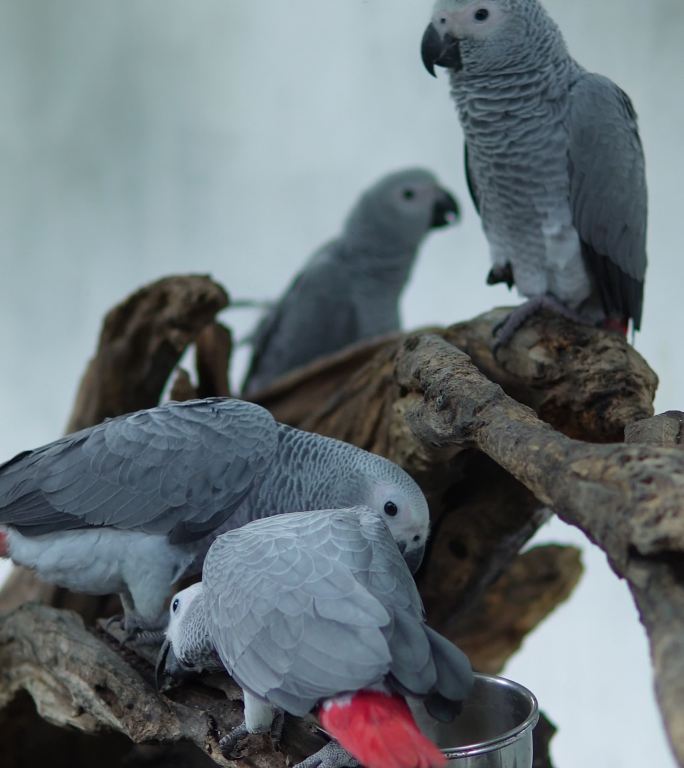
213 348
83 680
666 429
584 382
536 583
141 341
487 463
628 499
657 584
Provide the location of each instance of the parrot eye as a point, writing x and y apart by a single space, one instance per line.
481 14
442 20
175 604
391 509
409 194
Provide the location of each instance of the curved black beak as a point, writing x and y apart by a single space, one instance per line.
414 557
440 51
168 665
160 666
446 211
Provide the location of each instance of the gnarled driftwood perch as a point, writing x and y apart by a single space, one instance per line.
488 464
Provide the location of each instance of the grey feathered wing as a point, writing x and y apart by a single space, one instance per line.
180 469
305 606
314 317
608 193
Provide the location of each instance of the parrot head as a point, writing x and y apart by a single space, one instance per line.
404 206
480 36
183 650
392 493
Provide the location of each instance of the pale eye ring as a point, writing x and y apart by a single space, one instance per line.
175 604
481 14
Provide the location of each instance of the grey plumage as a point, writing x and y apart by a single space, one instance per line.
302 608
350 288
608 194
131 505
554 160
178 470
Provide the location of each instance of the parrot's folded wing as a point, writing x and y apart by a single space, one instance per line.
608 193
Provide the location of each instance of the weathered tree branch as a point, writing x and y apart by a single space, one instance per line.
594 487
79 679
628 499
536 583
584 382
141 342
213 348
665 430
657 584
420 402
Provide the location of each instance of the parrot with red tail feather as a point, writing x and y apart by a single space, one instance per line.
318 612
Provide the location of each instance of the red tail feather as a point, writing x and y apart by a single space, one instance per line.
617 324
4 544
379 731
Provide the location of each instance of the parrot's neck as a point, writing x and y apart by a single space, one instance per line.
388 272
195 647
547 81
379 269
500 108
309 469
377 278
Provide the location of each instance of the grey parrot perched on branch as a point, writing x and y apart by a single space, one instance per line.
133 504
554 161
318 613
350 288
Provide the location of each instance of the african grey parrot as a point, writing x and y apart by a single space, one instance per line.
554 161
318 612
133 504
350 288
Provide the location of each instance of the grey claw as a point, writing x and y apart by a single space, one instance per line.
501 274
146 637
499 326
505 330
277 728
332 755
116 627
230 740
117 619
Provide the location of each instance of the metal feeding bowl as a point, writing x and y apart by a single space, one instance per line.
494 729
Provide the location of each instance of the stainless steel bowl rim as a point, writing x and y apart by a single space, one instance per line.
509 737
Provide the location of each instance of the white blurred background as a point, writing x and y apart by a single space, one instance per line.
140 138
